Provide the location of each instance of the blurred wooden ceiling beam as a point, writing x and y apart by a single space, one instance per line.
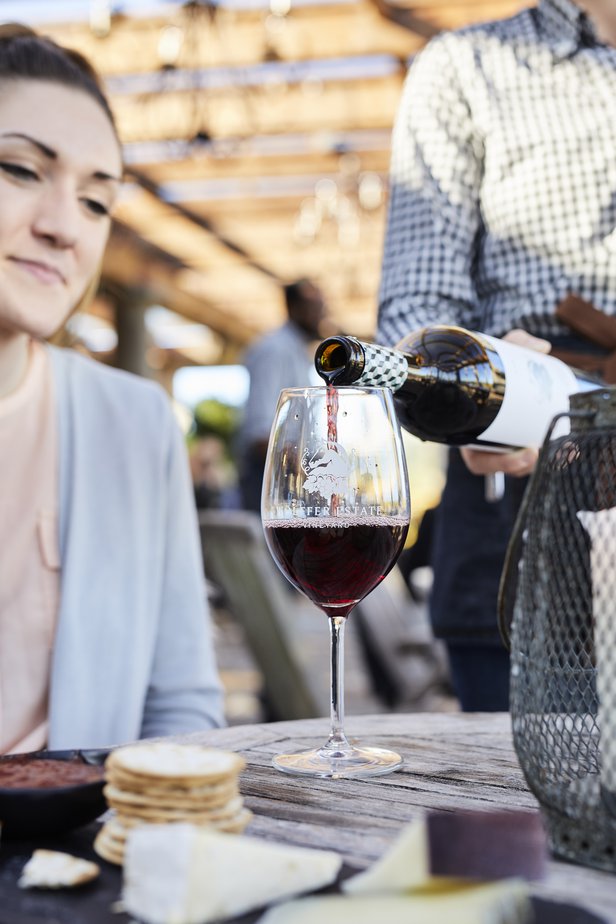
194 218
219 36
132 263
319 152
337 106
214 37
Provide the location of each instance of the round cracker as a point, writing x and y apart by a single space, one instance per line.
154 816
234 825
108 849
143 808
116 830
167 786
202 798
165 760
162 813
111 856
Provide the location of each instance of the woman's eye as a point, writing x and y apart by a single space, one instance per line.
96 207
18 171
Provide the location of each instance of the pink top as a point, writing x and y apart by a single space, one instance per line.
30 560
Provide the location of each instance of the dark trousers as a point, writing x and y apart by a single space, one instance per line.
468 551
251 480
469 544
480 677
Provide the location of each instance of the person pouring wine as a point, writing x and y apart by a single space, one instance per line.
501 220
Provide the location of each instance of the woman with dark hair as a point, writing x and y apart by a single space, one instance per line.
104 631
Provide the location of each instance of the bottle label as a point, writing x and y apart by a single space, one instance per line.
537 387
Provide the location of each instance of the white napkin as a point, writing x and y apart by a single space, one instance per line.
601 528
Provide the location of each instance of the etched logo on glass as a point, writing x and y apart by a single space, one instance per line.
327 471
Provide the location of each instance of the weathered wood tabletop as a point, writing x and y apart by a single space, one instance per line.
450 761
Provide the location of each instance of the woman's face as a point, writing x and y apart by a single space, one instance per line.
60 168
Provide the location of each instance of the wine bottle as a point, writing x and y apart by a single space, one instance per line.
459 387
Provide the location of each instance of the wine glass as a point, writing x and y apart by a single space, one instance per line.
335 509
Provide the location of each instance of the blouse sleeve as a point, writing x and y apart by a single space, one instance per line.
184 693
434 211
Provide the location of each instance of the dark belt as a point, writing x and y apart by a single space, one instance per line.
598 329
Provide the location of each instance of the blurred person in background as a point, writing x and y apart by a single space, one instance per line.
104 630
210 442
209 468
502 219
281 359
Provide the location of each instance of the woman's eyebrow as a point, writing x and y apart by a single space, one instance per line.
43 148
53 155
107 177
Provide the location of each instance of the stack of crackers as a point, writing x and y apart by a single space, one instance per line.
165 782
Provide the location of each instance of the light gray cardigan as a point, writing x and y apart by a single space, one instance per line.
133 651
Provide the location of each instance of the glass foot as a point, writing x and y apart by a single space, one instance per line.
337 764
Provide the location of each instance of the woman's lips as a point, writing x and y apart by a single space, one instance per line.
45 273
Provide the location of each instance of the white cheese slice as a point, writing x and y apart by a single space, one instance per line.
503 902
403 867
182 874
51 869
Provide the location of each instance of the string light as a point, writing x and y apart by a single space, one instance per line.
170 44
339 202
100 17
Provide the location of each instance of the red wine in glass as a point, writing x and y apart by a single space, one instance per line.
336 563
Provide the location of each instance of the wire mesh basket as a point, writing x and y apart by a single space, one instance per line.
558 612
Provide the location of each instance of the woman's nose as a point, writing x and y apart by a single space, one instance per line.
57 216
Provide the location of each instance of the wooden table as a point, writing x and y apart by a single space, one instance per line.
450 761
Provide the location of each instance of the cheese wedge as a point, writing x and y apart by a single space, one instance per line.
454 846
181 874
504 902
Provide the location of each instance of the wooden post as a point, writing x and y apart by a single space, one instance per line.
130 311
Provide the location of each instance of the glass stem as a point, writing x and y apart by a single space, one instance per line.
337 739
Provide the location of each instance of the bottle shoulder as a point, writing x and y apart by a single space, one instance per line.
447 348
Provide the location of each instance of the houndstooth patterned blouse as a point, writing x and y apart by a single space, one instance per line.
503 177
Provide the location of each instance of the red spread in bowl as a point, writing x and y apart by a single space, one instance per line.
25 772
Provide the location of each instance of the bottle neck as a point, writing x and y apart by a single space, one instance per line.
348 361
448 383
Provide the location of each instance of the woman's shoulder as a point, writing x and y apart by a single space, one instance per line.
109 392
91 373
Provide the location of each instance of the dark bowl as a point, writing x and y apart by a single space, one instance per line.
41 811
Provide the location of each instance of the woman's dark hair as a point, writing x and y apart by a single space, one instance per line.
25 55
